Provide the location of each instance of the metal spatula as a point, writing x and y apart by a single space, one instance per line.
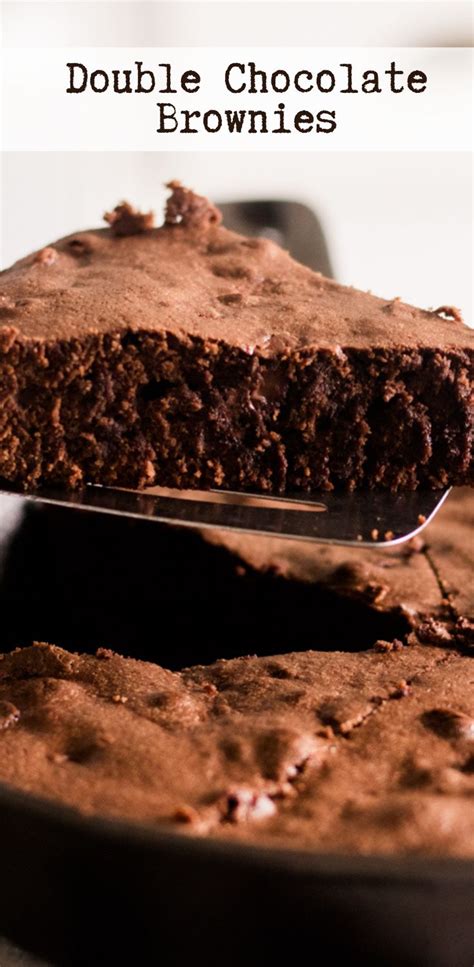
363 519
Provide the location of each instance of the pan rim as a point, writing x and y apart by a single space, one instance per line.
390 869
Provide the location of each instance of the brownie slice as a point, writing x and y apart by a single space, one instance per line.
190 356
367 753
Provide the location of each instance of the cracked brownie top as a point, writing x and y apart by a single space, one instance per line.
367 753
193 277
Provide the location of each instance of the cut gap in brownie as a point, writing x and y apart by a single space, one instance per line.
191 356
166 595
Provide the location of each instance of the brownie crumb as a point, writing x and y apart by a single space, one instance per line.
243 805
186 208
230 298
414 546
186 814
449 724
392 305
125 220
434 632
9 715
387 646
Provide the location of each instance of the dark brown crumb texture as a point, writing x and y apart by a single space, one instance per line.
190 356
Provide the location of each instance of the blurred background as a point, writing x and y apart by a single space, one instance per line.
398 224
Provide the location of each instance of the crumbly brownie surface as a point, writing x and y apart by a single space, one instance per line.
191 356
367 753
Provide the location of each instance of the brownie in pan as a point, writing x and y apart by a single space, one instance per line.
294 791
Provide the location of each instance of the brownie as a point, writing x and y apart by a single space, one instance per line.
221 595
190 356
366 753
355 744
